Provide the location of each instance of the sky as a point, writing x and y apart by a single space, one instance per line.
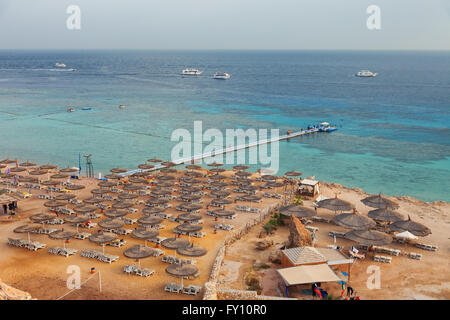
226 24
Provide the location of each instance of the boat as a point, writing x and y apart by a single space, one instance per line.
221 76
366 74
86 108
326 127
60 65
70 109
191 72
121 106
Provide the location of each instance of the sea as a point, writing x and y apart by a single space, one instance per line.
393 131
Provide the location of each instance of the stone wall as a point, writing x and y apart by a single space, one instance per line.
210 288
231 294
10 293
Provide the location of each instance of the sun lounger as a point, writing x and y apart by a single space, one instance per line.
355 255
427 247
82 235
320 219
382 259
117 243
336 234
414 255
197 234
392 252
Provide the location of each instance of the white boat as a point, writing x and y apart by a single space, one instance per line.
191 72
366 73
60 65
221 76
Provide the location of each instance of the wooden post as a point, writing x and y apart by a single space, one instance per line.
349 267
100 280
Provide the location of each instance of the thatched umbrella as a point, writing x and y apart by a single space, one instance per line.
102 238
68 170
111 223
54 204
187 227
113 176
156 202
353 221
118 170
150 220
135 179
268 177
181 270
27 228
77 219
166 178
174 243
27 179
93 200
107 184
168 170
164 184
297 211
48 167
241 167
187 217
65 197
155 160
249 188
132 187
127 196
160 193
58 176
415 228
251 198
153 210
139 252
8 161
100 191
223 213
190 197
168 163
121 205
37 172
385 215
17 169
220 194
3 165
146 166
50 183
335 204
215 164
85 209
60 234
368 237
193 167
378 201
115 213
27 164
272 184
144 234
293 173
217 177
243 174
74 187
217 170
193 174
221 201
218 184
192 251
41 217
191 207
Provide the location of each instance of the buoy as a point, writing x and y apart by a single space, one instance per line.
92 270
215 231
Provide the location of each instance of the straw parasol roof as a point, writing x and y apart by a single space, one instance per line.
54 204
193 167
153 210
243 174
293 173
157 202
297 211
154 160
273 184
164 184
65 197
102 238
85 208
378 201
221 201
37 172
58 176
150 220
2 165
353 221
60 234
165 178
251 198
74 187
193 174
189 217
47 166
181 270
218 184
215 164
241 167
268 177
68 170
146 166
111 223
168 163
368 237
168 170
27 164
220 194
191 207
385 215
115 213
100 191
118 170
132 187
76 219
107 184
17 169
139 252
50 183
27 179
113 176
93 200
8 161
137 180
127 196
217 177
223 213
144 234
27 228
41 217
190 197
192 251
122 205
415 228
187 227
174 243
217 170
335 204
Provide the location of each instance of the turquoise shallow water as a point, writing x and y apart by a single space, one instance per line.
393 129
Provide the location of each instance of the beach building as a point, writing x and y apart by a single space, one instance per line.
8 204
309 188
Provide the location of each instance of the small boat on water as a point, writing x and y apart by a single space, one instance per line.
70 109
326 127
366 74
86 108
221 76
191 72
121 106
60 65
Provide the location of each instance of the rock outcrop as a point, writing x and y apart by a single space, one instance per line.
275 256
264 244
298 235
10 293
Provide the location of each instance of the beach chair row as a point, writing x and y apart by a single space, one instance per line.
30 245
136 270
382 259
44 230
177 260
336 234
118 231
128 220
416 256
392 252
320 219
46 197
222 226
65 252
54 221
32 186
198 234
177 288
247 209
82 235
272 195
427 247
93 254
87 225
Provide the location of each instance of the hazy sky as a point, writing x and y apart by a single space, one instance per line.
225 24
